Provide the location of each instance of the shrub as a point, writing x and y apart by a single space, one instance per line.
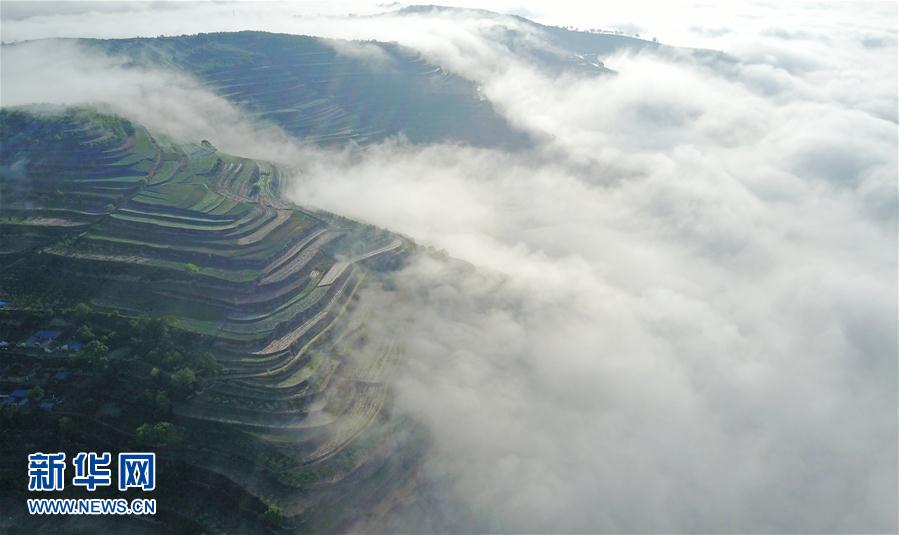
158 434
81 311
184 382
273 515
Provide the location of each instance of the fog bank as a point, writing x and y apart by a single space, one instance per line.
677 313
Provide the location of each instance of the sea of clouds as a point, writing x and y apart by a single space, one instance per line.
676 313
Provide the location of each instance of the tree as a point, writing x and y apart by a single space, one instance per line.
208 363
173 359
95 349
273 515
191 268
158 434
184 382
81 311
163 405
93 356
85 334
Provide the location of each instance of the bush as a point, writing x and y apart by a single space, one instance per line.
163 405
273 515
85 334
93 356
81 311
158 434
184 382
95 349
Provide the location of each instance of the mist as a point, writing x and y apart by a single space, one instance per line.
676 313
683 311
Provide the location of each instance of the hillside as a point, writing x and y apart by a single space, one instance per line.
160 294
163 295
314 92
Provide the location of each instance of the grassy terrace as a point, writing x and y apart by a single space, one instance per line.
304 85
99 211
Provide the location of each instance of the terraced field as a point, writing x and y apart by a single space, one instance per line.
158 229
304 85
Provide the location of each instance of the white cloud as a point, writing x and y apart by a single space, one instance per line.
371 53
694 325
61 72
683 311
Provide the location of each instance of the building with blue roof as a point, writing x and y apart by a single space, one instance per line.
42 337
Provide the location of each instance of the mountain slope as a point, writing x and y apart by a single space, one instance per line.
315 92
218 323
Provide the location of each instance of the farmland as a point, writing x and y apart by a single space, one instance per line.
314 92
192 312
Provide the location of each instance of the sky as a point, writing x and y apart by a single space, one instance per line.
677 313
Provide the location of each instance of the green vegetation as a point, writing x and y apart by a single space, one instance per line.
157 435
188 316
304 85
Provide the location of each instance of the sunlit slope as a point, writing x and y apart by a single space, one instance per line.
97 210
303 84
553 48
